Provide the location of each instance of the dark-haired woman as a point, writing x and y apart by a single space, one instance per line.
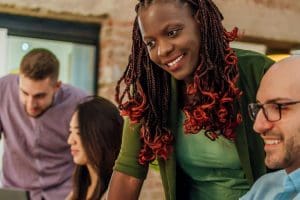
95 140
185 92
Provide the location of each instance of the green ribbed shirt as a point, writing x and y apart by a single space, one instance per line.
213 168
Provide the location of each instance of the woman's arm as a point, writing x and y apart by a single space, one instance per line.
123 186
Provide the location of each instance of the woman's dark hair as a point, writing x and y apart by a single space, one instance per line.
100 131
145 96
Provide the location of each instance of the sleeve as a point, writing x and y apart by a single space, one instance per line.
127 161
266 187
252 67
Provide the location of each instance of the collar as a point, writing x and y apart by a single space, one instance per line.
292 181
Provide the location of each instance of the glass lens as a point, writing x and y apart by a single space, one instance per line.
272 111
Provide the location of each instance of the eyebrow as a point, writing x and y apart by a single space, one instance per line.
35 95
23 91
165 29
276 100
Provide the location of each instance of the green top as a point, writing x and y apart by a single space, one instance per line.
249 145
213 168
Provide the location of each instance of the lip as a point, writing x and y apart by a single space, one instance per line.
272 143
174 66
33 110
74 151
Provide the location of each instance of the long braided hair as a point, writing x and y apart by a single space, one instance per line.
143 92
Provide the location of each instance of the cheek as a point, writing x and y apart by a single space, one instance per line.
293 140
194 41
153 56
80 146
83 155
195 44
45 102
290 127
291 133
83 158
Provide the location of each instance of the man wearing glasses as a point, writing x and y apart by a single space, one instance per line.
276 116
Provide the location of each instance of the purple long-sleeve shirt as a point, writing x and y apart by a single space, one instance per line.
36 154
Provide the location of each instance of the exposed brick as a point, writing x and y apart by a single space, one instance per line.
252 16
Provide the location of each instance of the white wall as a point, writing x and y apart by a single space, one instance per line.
75 59
270 19
3 51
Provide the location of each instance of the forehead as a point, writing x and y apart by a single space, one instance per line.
34 86
281 81
159 14
74 121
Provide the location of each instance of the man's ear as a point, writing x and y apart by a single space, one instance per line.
57 85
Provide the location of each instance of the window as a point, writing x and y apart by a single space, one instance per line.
75 44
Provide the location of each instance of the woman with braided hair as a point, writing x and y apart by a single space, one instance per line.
185 92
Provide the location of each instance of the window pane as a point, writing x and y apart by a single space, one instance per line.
77 61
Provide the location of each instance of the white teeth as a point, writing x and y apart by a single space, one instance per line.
272 141
175 61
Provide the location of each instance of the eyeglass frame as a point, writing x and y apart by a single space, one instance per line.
261 106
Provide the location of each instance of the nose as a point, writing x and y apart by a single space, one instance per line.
164 48
70 139
261 124
31 102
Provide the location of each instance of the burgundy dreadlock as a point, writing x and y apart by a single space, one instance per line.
147 86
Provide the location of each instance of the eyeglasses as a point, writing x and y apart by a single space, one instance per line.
271 111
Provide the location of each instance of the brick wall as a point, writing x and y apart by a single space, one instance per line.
115 33
258 19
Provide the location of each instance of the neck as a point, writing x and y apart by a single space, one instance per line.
94 179
291 169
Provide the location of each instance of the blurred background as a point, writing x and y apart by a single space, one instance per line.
92 40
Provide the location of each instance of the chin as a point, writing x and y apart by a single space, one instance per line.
183 77
273 164
179 77
79 162
34 115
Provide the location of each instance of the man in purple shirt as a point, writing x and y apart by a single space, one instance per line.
35 110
